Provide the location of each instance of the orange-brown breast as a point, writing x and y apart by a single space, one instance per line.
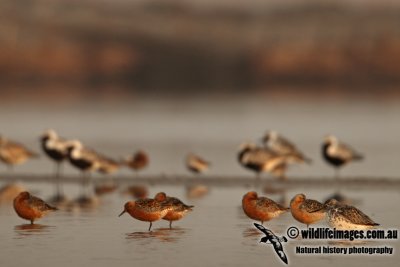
304 216
251 210
174 215
25 211
147 216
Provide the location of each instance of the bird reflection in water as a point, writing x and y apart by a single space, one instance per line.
162 234
25 230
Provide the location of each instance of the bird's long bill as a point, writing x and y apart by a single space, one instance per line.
121 213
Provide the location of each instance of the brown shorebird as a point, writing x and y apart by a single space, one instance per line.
307 211
13 153
261 208
138 161
346 217
282 146
30 207
196 164
262 159
338 154
179 209
148 210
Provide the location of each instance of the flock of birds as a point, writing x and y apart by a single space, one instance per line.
274 156
308 211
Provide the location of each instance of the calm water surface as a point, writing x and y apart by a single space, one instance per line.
216 233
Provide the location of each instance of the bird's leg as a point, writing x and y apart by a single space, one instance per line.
337 174
150 226
58 189
31 222
170 224
262 223
83 185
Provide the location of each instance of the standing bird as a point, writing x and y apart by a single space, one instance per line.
56 148
338 154
84 159
262 159
179 209
261 208
282 146
346 217
148 210
30 207
306 211
13 153
138 161
196 164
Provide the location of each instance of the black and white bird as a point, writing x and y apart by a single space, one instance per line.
262 159
281 145
55 147
84 159
338 154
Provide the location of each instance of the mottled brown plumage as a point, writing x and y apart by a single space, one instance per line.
148 210
138 161
307 211
30 207
179 209
261 208
346 217
196 164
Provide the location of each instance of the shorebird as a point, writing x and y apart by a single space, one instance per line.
346 217
338 154
148 210
262 159
84 159
307 211
13 153
138 161
106 164
56 148
282 146
179 208
196 164
30 207
261 208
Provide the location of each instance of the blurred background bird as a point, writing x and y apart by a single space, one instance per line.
282 146
262 159
13 153
196 164
338 154
138 161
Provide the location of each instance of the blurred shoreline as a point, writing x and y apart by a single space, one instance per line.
148 47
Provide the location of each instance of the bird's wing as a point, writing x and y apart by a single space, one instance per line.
258 156
39 204
269 205
264 230
89 154
356 216
342 151
279 250
311 205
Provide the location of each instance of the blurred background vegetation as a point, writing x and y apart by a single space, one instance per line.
187 47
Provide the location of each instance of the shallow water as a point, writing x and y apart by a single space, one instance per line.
216 233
